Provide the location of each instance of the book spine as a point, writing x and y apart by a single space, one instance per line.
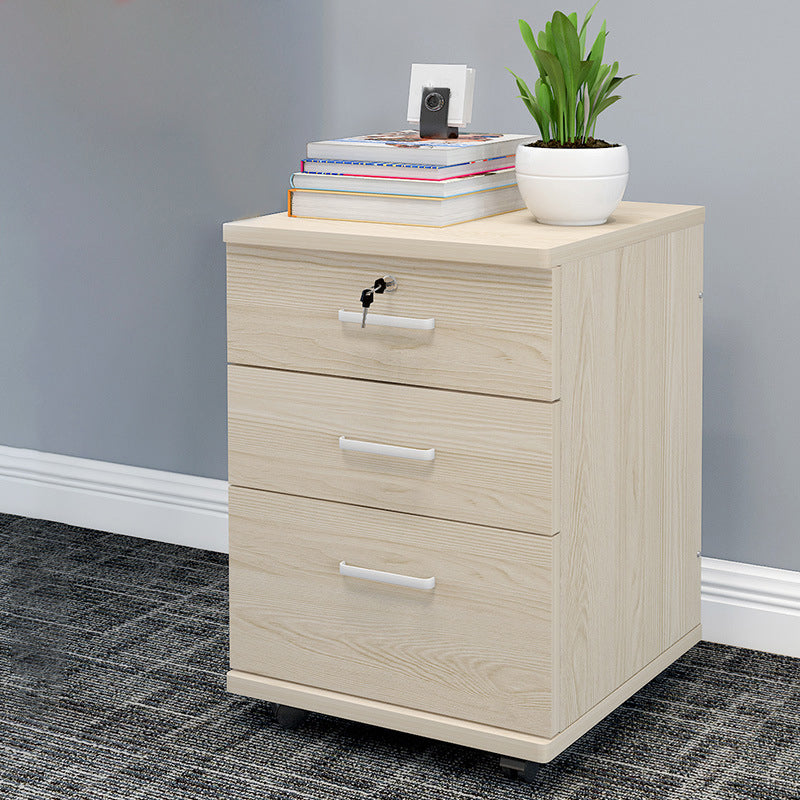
414 178
400 196
373 194
403 164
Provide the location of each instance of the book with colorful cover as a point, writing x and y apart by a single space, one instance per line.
406 147
359 184
419 172
404 209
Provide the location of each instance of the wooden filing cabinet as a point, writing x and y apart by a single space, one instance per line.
513 442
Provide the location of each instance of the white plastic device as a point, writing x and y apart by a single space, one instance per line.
459 78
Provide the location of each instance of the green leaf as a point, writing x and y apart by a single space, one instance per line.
613 84
548 35
572 89
527 35
534 111
528 99
568 53
585 112
602 106
605 104
522 86
537 58
603 89
596 55
566 42
541 122
555 77
583 31
582 72
587 18
601 76
544 97
617 81
581 108
528 104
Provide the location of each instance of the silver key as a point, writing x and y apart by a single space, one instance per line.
367 296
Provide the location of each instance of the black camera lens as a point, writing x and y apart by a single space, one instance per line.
434 101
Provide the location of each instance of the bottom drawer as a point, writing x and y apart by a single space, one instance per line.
470 635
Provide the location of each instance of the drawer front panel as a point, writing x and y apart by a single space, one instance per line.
478 645
471 458
476 328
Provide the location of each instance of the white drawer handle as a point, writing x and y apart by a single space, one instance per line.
388 321
376 575
374 448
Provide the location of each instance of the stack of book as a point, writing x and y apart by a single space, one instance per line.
400 178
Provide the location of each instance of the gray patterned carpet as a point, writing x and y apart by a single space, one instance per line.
113 652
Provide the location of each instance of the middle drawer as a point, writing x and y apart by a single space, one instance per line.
471 458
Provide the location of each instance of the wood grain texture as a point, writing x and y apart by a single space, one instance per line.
514 239
494 455
462 732
630 461
609 320
479 646
494 328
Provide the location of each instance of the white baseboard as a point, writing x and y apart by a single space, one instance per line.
148 503
742 604
750 606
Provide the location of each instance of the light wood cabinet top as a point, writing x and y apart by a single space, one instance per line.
513 240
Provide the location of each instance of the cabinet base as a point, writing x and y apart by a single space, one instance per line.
433 726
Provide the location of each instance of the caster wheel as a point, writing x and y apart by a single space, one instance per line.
515 769
288 717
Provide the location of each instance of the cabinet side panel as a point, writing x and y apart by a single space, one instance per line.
683 395
630 478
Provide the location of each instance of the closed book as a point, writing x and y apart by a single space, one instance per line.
420 172
403 209
444 188
406 147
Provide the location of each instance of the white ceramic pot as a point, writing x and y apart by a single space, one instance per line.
572 187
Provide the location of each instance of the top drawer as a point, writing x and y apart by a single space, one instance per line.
495 329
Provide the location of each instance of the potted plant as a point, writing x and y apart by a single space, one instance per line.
568 177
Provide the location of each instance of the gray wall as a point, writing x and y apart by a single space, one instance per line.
131 131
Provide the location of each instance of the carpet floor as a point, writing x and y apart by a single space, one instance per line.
113 653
